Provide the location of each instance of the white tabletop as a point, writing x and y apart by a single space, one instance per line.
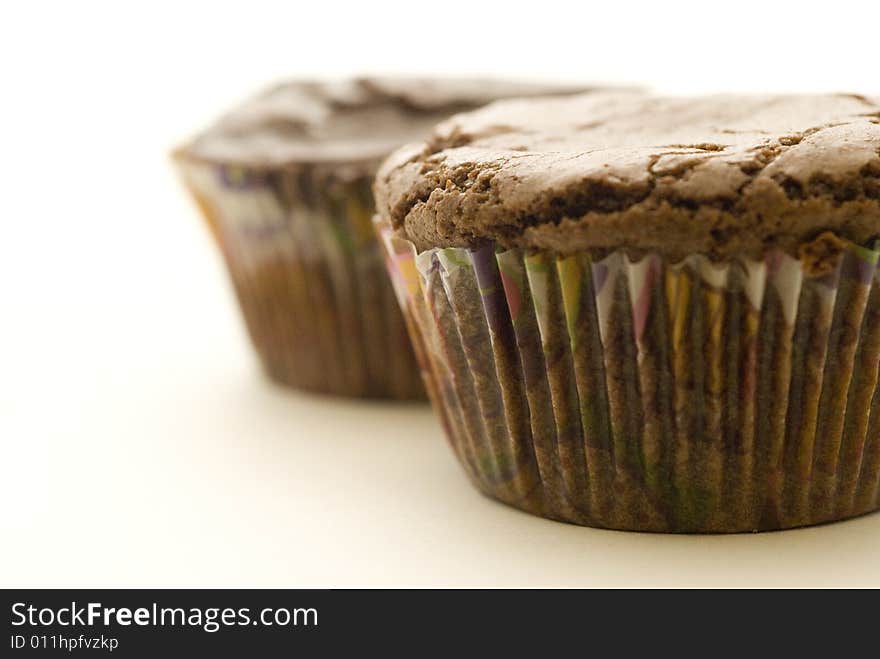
139 444
148 451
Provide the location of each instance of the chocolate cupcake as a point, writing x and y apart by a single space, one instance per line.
284 183
654 314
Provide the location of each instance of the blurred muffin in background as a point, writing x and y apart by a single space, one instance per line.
284 184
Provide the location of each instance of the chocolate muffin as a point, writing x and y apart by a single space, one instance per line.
284 183
655 314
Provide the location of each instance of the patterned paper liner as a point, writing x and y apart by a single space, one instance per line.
310 280
648 395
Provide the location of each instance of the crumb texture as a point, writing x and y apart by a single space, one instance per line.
722 175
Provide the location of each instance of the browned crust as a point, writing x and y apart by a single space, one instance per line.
717 175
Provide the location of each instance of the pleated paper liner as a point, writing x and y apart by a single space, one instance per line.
649 395
310 280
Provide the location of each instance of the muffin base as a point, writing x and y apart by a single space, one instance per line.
645 395
309 278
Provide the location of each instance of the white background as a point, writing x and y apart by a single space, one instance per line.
138 443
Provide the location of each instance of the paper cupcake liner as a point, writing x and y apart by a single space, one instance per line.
310 280
648 395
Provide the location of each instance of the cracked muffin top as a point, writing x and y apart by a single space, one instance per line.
720 175
353 122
